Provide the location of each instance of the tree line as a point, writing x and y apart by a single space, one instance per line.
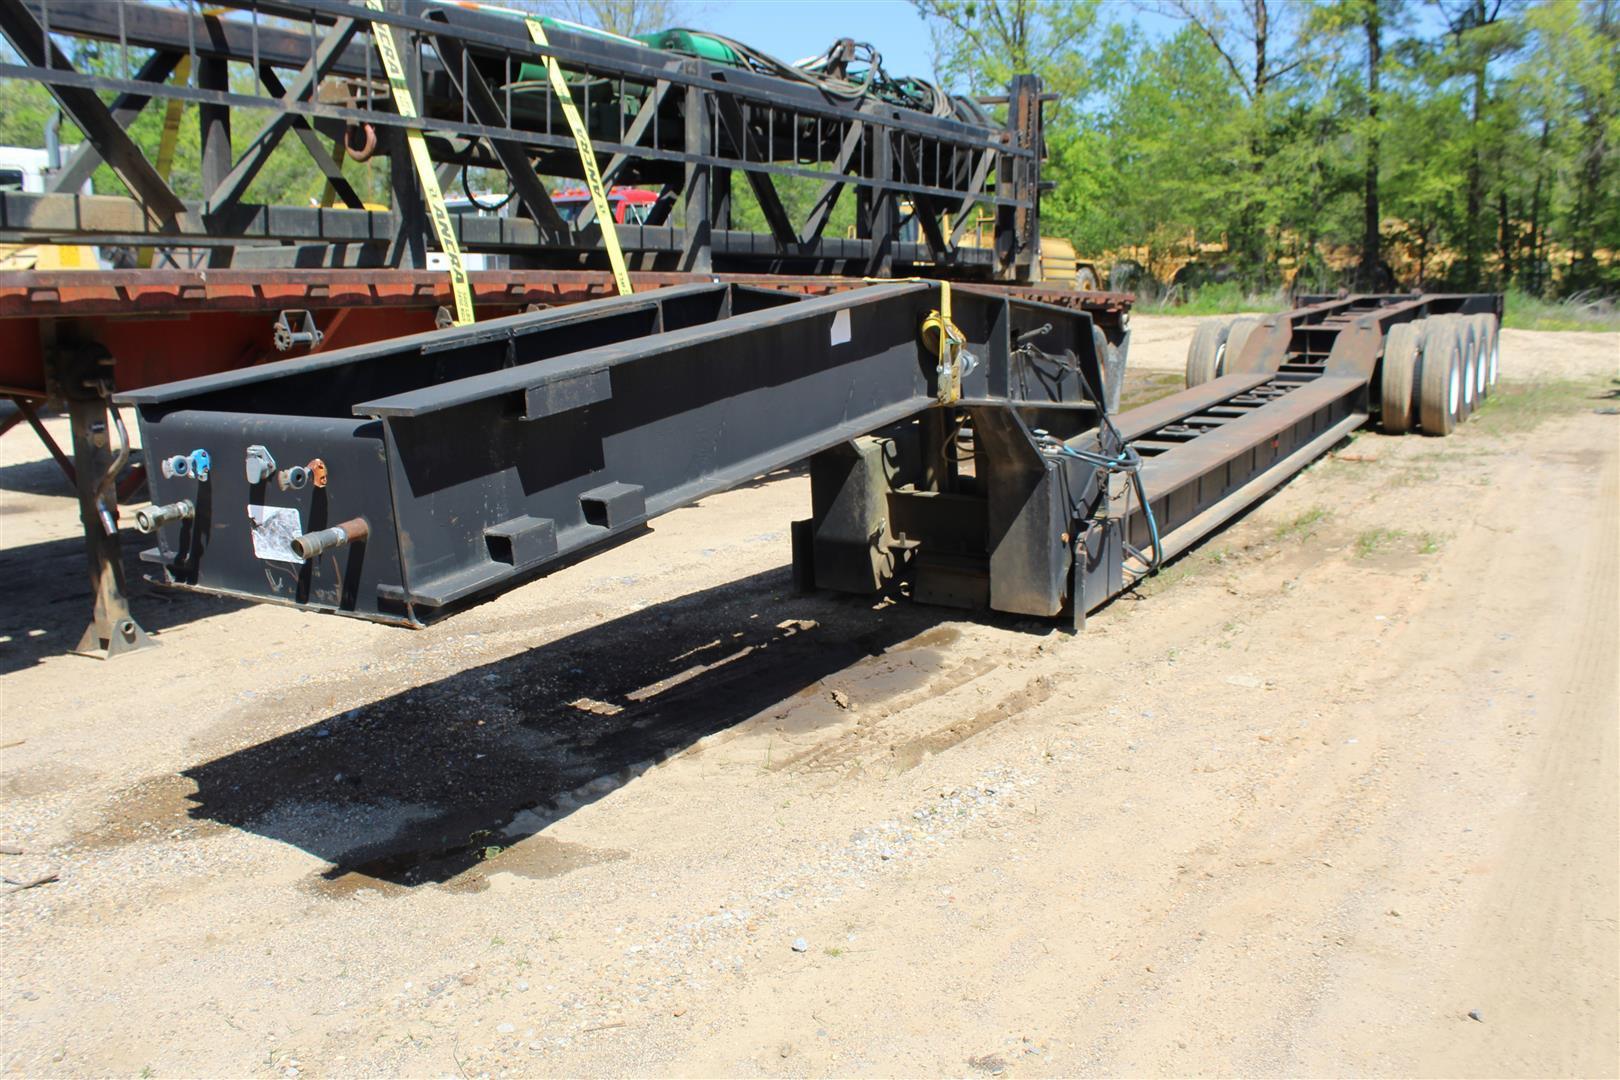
1460 144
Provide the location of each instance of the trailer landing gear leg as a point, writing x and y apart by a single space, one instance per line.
84 387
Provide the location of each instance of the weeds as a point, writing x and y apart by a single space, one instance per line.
1183 568
1304 524
1517 407
1416 474
1373 541
1378 541
1582 311
1225 298
1180 570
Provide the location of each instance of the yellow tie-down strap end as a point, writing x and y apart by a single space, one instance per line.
438 213
949 345
587 159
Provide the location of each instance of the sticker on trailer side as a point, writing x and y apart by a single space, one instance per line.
274 530
839 335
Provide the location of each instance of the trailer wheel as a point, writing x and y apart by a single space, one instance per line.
1236 338
1440 377
1470 365
1207 350
1085 279
1489 336
1496 354
1399 371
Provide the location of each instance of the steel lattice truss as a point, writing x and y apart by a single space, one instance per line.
668 122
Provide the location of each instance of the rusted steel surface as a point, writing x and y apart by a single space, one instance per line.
48 293
915 165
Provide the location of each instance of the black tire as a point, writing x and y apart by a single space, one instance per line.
1205 353
1439 399
1495 365
1085 279
1470 353
1398 376
1236 338
1486 330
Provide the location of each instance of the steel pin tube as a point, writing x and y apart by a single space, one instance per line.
152 518
313 544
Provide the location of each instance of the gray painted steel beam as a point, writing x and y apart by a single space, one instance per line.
481 455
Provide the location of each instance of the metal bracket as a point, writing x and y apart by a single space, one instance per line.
307 333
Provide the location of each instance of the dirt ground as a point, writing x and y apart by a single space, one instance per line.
1335 794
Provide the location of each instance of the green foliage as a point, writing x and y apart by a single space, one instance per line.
1371 542
287 177
798 195
1491 132
1303 525
1223 298
1515 408
627 17
979 46
1579 312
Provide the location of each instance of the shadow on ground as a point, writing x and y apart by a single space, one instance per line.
48 601
423 786
40 477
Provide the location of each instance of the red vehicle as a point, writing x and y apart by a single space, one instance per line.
630 205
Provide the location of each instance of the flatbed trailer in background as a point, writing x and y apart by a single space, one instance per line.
958 438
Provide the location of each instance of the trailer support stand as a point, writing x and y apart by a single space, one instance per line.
79 379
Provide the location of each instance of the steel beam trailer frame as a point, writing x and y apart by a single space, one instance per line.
123 324
677 123
401 481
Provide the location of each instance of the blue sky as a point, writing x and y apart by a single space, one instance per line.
793 29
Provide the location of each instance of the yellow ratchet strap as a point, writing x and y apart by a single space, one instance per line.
443 227
949 343
171 121
587 159
167 142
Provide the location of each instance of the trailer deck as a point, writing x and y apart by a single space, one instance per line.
958 438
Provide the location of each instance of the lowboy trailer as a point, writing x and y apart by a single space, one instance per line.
960 438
